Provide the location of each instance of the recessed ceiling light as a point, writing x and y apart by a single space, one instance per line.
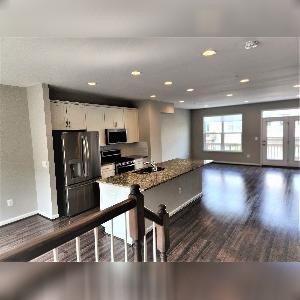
190 90
92 83
136 73
168 83
229 95
206 105
181 101
209 52
297 86
244 80
153 96
246 101
251 45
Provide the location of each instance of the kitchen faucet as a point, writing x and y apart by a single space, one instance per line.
153 165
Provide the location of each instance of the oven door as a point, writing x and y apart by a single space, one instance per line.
124 169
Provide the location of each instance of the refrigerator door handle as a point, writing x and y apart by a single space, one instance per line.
87 157
83 156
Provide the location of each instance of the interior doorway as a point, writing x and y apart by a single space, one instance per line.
281 138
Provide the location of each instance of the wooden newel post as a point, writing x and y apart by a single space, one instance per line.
163 236
137 222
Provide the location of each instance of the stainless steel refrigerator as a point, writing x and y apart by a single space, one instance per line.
77 167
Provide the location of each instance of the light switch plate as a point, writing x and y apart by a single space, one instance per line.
10 202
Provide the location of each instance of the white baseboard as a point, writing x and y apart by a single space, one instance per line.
182 206
24 216
12 220
179 208
50 217
236 163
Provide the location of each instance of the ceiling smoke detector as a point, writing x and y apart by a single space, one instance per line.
251 45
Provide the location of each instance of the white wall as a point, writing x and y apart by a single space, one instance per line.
17 180
41 132
176 134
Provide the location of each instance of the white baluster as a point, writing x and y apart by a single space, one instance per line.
55 254
96 233
112 257
125 241
154 243
145 248
78 255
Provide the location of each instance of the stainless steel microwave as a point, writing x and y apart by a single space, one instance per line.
115 136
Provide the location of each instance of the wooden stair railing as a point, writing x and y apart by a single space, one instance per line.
134 206
160 232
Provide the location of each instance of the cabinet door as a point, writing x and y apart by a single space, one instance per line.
58 115
114 117
95 121
131 124
76 116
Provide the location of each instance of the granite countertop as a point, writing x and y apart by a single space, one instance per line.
173 168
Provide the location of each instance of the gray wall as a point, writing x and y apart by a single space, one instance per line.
251 129
16 155
176 134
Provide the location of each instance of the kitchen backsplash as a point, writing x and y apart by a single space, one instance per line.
140 148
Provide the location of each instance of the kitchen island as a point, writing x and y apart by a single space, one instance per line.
176 185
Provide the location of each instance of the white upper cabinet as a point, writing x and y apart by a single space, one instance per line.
95 121
58 115
113 117
76 116
131 124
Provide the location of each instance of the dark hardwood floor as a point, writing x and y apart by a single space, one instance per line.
246 214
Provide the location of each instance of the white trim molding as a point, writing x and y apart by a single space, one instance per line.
52 217
15 219
237 163
27 215
179 208
182 206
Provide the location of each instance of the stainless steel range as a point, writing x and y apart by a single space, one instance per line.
122 164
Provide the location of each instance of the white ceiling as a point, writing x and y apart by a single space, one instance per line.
141 18
273 68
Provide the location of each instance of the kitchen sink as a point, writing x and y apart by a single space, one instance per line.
148 170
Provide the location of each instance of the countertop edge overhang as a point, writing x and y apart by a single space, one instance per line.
173 169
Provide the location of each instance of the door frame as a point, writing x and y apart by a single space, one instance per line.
287 131
292 162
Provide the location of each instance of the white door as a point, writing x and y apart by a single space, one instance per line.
280 144
131 124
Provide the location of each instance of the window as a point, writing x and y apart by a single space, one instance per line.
222 133
281 113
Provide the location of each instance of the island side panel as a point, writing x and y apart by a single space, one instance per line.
111 195
175 193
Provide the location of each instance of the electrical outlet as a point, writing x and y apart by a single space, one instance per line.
248 155
10 202
256 138
45 164
179 190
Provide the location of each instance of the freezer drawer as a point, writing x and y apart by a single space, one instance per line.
80 198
